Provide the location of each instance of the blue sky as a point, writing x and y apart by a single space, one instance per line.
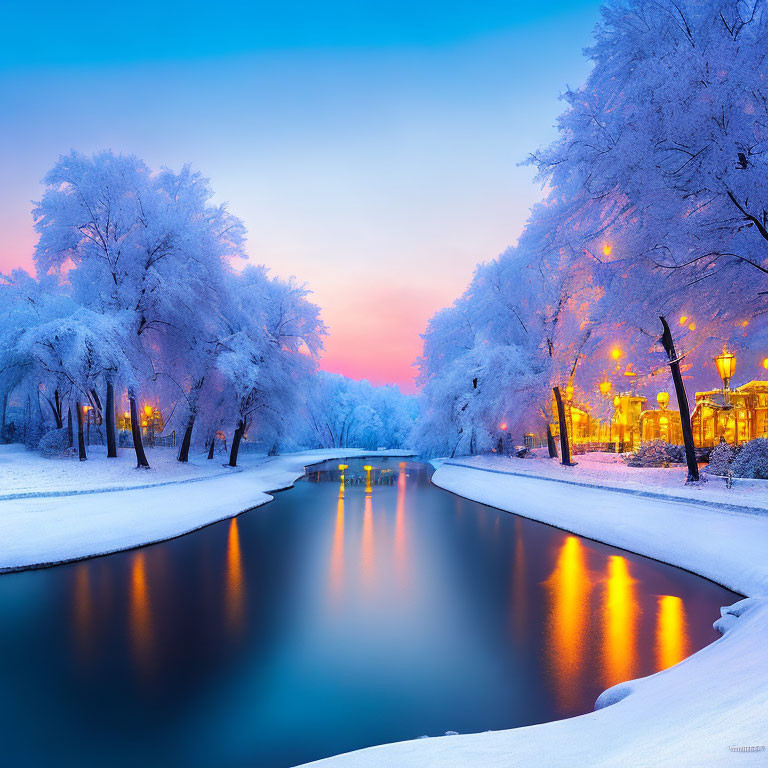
371 148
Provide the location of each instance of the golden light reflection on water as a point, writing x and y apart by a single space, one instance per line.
620 613
367 542
140 612
672 641
569 588
400 555
519 584
235 586
83 609
337 552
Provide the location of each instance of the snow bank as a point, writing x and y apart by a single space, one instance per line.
692 714
45 529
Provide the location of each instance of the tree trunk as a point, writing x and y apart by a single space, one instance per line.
236 443
551 445
187 440
565 450
80 435
211 447
57 410
109 417
70 435
5 410
138 446
682 402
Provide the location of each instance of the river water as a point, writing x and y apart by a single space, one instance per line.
336 617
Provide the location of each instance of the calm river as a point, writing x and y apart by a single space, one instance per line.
331 619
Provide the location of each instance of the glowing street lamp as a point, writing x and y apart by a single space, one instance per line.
368 487
147 410
726 367
616 353
663 400
605 387
503 426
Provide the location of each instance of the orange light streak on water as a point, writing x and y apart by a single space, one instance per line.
620 612
83 610
367 541
569 587
336 582
520 592
235 589
140 612
672 641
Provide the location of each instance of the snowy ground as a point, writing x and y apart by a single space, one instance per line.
118 507
688 715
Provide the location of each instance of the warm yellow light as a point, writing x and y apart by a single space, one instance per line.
605 388
726 365
607 248
503 426
744 323
683 319
765 363
127 414
148 410
367 467
569 392
616 401
144 423
662 399
692 327
616 353
342 467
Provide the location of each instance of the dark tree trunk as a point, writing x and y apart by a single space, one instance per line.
70 435
109 418
141 457
236 443
57 410
565 450
211 447
682 402
80 435
187 439
551 445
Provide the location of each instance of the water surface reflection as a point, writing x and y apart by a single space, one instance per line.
363 606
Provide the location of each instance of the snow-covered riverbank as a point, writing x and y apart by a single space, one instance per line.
116 507
689 715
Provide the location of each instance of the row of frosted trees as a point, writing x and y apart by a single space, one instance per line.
137 298
656 206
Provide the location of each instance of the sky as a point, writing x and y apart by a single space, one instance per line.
371 148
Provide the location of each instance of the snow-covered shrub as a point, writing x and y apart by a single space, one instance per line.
721 458
752 460
654 453
55 442
676 454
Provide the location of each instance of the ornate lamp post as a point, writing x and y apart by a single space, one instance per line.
726 367
663 400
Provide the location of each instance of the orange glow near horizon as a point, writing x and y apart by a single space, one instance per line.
569 588
235 587
620 612
140 612
672 642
